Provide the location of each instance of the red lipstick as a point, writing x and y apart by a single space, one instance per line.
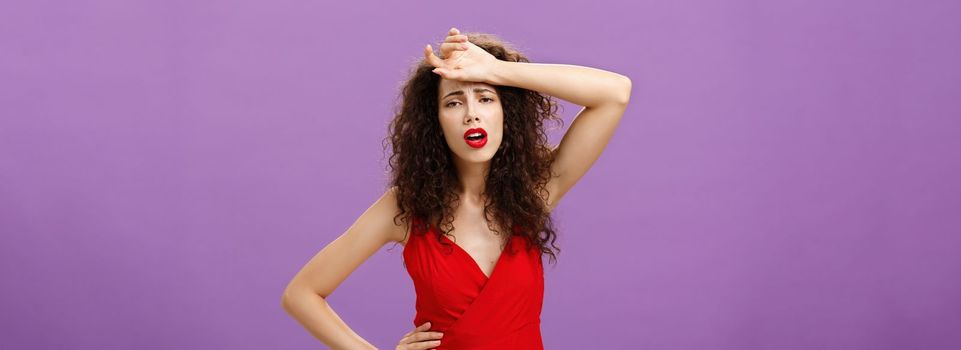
476 137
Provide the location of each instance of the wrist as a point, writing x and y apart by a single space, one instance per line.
500 73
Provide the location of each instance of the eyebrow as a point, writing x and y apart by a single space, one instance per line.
461 92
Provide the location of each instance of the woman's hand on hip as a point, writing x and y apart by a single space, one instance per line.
420 338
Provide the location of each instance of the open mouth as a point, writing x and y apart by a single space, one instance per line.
476 137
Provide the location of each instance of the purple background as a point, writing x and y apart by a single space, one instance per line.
786 177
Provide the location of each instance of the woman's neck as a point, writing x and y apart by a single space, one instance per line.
473 180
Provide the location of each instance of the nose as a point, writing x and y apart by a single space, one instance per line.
471 114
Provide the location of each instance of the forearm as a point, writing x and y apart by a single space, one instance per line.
314 313
585 86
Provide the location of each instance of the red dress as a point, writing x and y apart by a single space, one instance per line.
472 310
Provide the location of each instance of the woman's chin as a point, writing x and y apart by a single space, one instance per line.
477 157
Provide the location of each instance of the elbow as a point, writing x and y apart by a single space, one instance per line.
293 295
288 299
625 90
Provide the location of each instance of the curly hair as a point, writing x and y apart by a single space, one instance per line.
421 165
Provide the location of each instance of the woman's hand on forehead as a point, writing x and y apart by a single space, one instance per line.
462 59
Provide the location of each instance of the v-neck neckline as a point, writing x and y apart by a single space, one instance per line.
474 262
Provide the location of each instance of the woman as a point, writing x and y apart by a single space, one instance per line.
470 152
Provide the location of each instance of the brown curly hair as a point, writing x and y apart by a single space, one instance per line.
421 166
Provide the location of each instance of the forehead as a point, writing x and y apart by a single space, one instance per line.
447 86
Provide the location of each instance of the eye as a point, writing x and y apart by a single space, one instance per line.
451 102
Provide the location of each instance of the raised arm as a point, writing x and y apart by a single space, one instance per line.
604 96
304 297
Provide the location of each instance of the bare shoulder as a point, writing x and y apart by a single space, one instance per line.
378 219
553 195
401 230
